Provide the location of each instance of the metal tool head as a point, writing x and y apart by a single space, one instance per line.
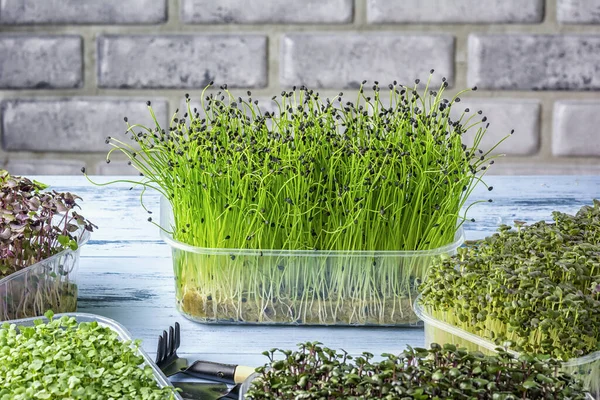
207 390
166 352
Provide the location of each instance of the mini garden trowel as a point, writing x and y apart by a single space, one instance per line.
170 364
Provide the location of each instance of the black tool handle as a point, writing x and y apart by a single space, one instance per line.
212 371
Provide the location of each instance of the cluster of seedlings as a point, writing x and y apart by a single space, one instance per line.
385 171
535 288
64 359
440 372
37 226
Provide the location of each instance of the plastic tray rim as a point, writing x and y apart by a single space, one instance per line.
83 240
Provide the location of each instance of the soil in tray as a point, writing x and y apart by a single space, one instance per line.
390 312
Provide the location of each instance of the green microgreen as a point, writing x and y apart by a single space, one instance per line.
35 225
316 372
386 170
535 288
64 359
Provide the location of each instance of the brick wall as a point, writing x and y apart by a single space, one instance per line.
71 69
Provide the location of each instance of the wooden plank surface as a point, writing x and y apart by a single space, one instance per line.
126 273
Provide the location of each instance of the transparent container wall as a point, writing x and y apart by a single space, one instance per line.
50 284
586 368
123 333
299 287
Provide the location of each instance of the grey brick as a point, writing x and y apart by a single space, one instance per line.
82 11
456 11
264 103
41 62
72 125
576 130
522 62
43 167
343 60
503 115
266 11
578 11
178 61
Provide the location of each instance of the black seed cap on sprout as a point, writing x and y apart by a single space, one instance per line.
83 170
148 103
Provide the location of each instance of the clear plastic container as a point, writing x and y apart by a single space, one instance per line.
436 331
50 284
301 287
123 333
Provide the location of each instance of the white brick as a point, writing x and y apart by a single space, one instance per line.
503 115
266 11
578 11
456 11
343 60
82 11
74 125
40 62
264 103
576 131
523 62
181 61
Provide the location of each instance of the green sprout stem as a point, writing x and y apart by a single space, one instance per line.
317 175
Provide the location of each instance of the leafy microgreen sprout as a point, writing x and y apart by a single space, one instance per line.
383 170
64 359
35 225
535 287
316 372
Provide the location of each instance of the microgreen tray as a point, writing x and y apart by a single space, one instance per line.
50 284
298 287
436 331
122 333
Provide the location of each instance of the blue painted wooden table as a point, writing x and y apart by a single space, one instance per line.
126 273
